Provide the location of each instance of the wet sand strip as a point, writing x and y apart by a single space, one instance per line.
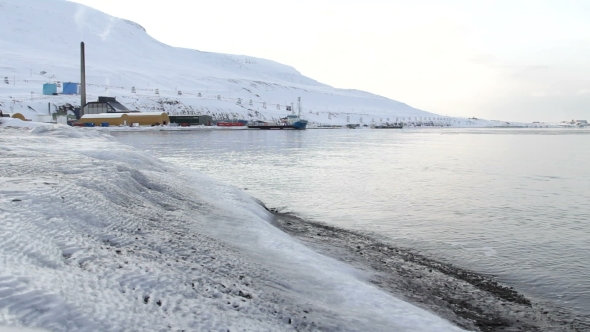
470 300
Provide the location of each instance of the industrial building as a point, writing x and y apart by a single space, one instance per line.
105 105
70 88
50 89
191 120
104 119
149 118
126 119
14 116
107 111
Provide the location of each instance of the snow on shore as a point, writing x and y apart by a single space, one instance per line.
99 236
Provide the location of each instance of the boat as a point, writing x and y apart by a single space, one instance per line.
389 126
574 124
326 126
291 121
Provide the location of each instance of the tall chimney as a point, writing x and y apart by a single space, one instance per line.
82 80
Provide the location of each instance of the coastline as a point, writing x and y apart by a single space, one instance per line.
153 233
101 236
468 299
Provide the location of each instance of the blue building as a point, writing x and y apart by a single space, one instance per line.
70 88
49 88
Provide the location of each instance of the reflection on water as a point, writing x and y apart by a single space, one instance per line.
508 202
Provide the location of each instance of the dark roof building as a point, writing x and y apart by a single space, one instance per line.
106 105
191 120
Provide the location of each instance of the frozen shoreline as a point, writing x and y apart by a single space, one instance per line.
91 212
101 236
468 299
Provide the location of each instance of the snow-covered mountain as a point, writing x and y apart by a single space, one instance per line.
41 42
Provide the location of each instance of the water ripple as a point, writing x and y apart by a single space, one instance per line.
508 202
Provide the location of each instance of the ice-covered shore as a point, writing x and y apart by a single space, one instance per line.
99 236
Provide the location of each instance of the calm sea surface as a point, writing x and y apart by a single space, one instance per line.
514 203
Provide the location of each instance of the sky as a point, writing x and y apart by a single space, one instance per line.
521 60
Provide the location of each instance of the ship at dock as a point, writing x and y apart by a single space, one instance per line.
388 125
291 121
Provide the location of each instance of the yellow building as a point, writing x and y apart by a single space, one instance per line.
127 119
15 116
149 118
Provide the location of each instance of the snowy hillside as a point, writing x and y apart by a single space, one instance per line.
40 44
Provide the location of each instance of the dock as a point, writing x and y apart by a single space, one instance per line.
271 127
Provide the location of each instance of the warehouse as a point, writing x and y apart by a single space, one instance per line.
106 119
191 120
70 88
105 105
149 118
14 116
50 89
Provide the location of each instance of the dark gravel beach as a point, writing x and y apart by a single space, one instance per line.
470 300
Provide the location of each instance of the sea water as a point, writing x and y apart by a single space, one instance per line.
513 203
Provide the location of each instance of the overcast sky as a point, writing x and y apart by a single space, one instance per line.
519 60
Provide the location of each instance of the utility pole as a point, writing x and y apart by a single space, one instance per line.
82 79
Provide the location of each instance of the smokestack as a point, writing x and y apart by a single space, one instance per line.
82 79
